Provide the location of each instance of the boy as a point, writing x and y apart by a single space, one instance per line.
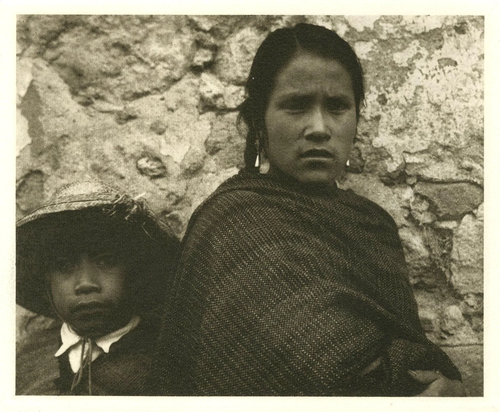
100 261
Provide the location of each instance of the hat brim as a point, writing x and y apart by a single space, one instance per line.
30 282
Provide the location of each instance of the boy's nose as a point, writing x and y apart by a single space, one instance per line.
317 128
86 277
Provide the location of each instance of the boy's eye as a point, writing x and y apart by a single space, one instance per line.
64 265
106 261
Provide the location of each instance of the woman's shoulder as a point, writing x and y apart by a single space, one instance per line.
241 189
367 206
236 205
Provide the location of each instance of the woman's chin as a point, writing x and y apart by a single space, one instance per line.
314 177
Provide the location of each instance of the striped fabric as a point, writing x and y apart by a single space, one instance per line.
285 290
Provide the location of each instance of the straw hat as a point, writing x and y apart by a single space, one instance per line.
94 202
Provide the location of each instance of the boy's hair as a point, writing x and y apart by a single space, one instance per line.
88 221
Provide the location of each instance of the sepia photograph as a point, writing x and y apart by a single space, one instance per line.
249 205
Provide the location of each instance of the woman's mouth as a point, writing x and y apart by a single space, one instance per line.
316 154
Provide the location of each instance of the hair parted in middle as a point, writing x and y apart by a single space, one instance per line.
277 49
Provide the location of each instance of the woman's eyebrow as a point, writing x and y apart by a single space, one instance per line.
295 96
299 95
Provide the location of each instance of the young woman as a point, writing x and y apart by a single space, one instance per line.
286 284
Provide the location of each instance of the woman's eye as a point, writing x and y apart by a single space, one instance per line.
337 105
295 105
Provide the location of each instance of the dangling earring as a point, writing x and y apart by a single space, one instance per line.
261 161
257 149
264 163
347 163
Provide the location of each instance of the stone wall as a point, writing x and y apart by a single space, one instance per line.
149 103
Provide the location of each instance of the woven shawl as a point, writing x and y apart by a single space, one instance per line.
284 290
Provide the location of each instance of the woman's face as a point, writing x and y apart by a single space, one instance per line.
311 119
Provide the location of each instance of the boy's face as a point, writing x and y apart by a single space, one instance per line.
89 291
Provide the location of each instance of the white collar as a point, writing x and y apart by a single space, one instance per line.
73 343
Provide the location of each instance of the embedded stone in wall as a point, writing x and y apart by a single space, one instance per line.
444 166
151 166
225 143
446 61
236 56
204 23
467 255
183 95
404 195
420 210
193 161
429 319
30 191
453 321
372 188
23 138
31 109
418 258
203 58
158 127
445 224
79 65
106 107
472 304
233 96
451 200
169 46
23 77
126 115
211 92
215 95
361 23
439 244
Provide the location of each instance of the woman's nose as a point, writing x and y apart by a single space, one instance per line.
317 128
86 277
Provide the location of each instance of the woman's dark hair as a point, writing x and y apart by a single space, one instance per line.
272 56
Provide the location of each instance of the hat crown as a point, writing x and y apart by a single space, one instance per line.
87 189
78 196
155 239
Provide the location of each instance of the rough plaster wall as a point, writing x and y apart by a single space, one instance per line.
149 103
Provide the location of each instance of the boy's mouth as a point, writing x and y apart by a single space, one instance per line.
90 307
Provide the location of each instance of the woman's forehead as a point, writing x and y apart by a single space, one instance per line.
307 72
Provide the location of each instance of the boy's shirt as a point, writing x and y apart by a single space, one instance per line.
72 343
123 371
